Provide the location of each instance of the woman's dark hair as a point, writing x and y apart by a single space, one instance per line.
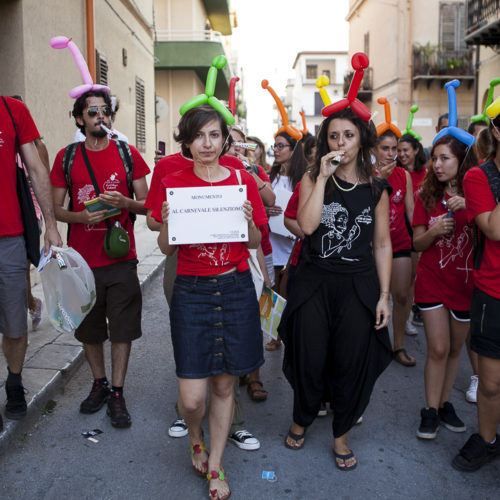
81 104
486 142
308 143
368 138
388 133
192 122
261 160
433 189
420 158
297 161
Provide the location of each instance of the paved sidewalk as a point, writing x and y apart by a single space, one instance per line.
52 357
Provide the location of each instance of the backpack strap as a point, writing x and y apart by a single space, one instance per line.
67 165
128 163
493 176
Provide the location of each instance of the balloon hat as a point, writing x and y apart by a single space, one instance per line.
289 129
232 93
387 125
359 62
61 42
489 99
208 97
493 110
304 127
452 129
408 130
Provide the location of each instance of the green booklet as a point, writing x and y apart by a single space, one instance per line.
96 205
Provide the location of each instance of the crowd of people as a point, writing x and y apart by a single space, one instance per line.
374 230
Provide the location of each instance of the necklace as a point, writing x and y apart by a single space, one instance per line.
344 189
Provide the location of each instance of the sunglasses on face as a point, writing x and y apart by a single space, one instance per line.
280 146
94 110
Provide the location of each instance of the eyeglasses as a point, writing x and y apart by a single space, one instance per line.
94 110
281 146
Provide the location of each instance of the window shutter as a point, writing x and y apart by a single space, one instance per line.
452 26
140 116
101 68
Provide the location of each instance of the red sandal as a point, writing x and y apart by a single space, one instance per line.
198 448
214 494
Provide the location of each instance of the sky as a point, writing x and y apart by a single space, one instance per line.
269 35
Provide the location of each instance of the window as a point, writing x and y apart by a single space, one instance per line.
101 68
312 71
452 26
326 72
140 118
318 103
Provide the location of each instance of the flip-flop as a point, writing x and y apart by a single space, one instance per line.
253 392
344 458
297 438
402 357
272 345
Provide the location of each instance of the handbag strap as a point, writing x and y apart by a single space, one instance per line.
13 122
92 177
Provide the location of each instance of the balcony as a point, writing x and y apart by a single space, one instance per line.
430 64
366 87
483 22
194 50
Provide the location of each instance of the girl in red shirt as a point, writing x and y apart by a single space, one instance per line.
444 278
400 204
214 314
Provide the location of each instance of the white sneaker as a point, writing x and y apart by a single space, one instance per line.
360 420
178 429
244 440
471 394
322 412
410 328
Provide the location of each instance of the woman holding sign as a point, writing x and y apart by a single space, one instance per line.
214 315
344 275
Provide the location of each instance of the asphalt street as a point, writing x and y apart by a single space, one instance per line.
51 459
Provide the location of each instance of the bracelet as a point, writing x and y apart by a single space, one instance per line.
384 293
263 186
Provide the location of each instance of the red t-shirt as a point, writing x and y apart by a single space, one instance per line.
400 237
444 271
417 178
479 199
291 213
210 258
110 174
10 222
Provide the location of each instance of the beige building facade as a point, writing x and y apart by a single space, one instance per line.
124 45
414 47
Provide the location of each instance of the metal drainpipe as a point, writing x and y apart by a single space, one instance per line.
476 71
89 7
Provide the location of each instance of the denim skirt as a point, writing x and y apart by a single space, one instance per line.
215 325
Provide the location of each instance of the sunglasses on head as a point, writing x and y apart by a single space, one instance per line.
94 110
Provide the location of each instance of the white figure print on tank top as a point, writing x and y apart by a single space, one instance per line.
336 217
217 254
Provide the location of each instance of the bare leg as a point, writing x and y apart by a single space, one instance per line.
191 402
400 286
488 397
15 351
120 354
437 333
220 414
95 357
341 448
459 331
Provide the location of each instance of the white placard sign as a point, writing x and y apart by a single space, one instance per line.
277 222
207 215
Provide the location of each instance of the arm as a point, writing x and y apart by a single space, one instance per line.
152 223
263 266
293 226
163 243
65 215
118 200
41 185
489 223
423 238
254 234
382 251
265 190
42 153
409 201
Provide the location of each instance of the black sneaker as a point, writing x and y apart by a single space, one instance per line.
99 394
429 424
475 453
117 410
16 407
449 418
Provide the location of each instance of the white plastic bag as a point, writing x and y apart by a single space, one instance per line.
68 286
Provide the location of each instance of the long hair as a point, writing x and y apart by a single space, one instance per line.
433 189
420 158
486 142
297 161
261 159
368 139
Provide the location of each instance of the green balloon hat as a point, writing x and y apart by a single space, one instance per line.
408 130
483 117
208 97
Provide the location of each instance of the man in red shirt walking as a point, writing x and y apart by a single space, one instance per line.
17 126
113 172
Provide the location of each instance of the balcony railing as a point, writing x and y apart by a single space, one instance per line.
430 60
479 12
366 86
188 36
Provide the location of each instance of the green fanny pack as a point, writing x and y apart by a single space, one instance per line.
116 241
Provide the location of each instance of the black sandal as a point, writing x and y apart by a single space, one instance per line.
402 357
297 438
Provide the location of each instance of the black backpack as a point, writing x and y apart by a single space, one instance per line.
493 175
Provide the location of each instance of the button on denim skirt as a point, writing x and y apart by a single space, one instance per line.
215 325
